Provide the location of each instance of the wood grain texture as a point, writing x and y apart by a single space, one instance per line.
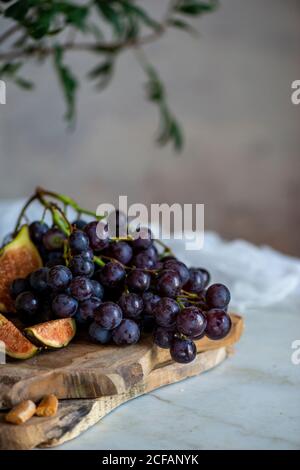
91 381
76 416
87 370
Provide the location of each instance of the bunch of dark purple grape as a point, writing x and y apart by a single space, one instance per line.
121 289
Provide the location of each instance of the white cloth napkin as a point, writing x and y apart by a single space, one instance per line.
257 276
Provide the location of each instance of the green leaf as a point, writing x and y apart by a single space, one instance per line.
169 129
19 10
37 15
111 14
68 82
41 26
102 69
133 28
141 14
183 25
194 7
55 31
23 83
102 73
177 135
74 14
10 69
155 88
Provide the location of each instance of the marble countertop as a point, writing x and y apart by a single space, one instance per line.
251 401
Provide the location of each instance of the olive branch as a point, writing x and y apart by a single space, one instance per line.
51 29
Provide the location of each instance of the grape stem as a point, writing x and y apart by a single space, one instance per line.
194 302
23 211
189 294
57 213
60 219
123 239
68 201
40 194
130 268
98 261
167 250
178 300
66 254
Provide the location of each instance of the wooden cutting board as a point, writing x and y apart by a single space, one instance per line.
91 381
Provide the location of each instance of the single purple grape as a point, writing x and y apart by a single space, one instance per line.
87 308
151 251
143 261
217 296
150 301
78 242
168 284
99 334
64 306
191 322
112 274
138 280
81 266
143 240
183 350
166 312
131 304
18 286
108 315
121 251
38 280
127 332
195 284
54 239
92 230
59 277
163 337
27 303
218 324
37 230
205 276
180 268
98 290
81 288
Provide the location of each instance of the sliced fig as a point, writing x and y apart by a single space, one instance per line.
54 334
17 259
16 345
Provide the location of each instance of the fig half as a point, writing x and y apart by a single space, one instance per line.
54 334
17 259
16 345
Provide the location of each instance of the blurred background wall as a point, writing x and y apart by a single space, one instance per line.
231 90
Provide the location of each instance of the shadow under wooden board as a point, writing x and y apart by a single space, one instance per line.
91 381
